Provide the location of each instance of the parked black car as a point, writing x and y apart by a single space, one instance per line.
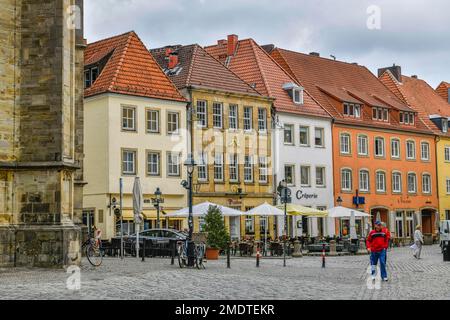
159 240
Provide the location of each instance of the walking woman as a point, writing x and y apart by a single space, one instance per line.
418 242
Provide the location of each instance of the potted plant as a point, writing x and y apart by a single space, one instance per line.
217 235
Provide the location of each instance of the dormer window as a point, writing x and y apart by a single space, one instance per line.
444 125
380 114
352 110
298 96
90 75
295 92
406 118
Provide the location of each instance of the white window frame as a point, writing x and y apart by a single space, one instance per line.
426 188
383 149
447 182
248 119
396 185
248 169
308 183
364 185
298 95
292 168
233 116
218 167
408 143
380 181
171 164
233 166
263 169
322 134
150 155
349 183
427 153
262 120
362 137
412 174
447 153
218 115
130 119
307 136
345 143
126 161
322 171
202 167
150 121
292 130
202 113
170 123
397 142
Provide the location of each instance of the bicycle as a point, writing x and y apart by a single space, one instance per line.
94 251
199 253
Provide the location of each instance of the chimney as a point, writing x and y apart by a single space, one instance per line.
232 44
168 51
414 76
315 54
173 60
395 70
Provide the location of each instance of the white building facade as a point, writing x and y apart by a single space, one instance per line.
303 158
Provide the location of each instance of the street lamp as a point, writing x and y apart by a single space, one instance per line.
190 166
157 200
285 196
339 201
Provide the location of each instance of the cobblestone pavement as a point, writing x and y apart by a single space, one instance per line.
343 278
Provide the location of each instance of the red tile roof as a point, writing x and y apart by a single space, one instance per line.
327 79
420 96
442 90
197 68
130 69
255 66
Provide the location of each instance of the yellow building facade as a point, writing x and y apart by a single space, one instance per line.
234 159
443 173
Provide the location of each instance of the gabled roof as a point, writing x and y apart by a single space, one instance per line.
197 68
317 73
255 66
129 69
442 90
420 96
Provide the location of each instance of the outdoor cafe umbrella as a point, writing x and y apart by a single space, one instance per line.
298 210
265 210
353 234
343 212
138 203
201 210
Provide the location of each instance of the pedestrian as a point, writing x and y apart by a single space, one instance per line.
418 242
377 242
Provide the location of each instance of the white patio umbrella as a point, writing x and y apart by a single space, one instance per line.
138 204
265 210
342 212
201 210
353 234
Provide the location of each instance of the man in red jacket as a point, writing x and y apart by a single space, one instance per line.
377 243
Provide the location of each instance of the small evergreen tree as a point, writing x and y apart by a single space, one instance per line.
218 236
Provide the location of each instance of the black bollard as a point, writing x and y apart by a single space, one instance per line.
323 255
257 255
228 256
143 251
172 261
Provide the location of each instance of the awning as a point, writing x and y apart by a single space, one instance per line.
298 210
201 209
148 215
342 212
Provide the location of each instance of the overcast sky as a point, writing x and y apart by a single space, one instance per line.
412 33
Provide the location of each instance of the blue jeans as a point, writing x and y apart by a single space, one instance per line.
381 256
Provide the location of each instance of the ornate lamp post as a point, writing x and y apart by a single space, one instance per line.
339 201
157 200
190 166
285 196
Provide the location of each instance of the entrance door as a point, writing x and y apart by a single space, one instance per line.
427 221
381 214
235 224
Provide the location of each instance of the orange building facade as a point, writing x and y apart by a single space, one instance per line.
393 187
384 155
